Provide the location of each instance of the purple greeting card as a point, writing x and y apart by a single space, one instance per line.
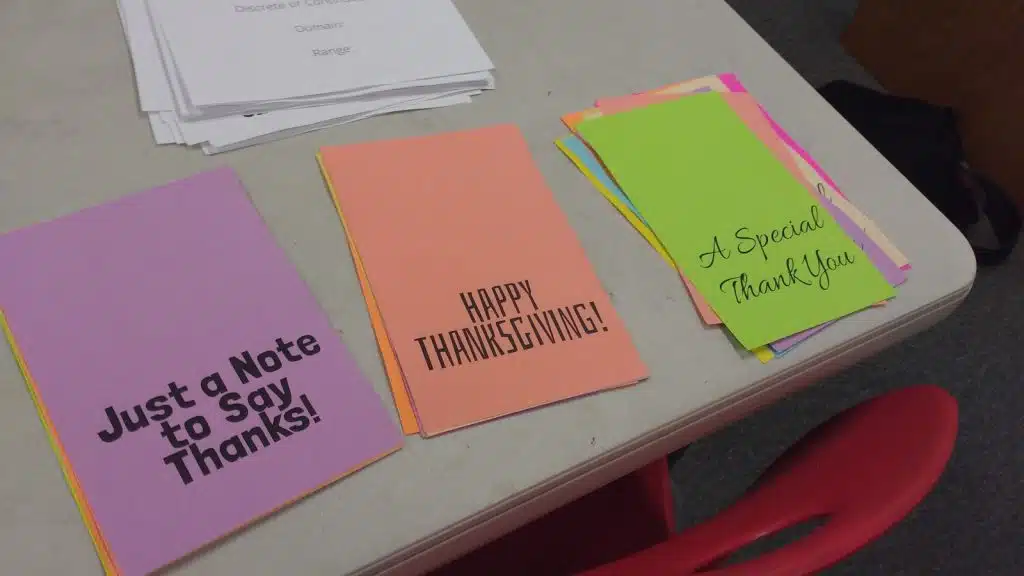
190 375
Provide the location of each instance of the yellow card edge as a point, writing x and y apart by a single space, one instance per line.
619 205
396 381
102 550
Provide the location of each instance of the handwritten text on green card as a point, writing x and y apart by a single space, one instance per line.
745 230
811 269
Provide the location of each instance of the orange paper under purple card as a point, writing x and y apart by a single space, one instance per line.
189 373
484 289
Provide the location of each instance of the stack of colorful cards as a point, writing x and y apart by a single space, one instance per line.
762 238
187 378
481 297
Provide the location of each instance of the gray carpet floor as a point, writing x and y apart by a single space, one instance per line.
971 524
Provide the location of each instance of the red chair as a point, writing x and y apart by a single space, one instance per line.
860 472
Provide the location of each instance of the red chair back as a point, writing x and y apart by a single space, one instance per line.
862 472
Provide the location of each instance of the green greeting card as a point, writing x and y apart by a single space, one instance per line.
762 250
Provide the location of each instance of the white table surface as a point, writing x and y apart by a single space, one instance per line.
70 137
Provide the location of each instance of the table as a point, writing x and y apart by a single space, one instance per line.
70 138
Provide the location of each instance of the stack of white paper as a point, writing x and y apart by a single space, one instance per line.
225 74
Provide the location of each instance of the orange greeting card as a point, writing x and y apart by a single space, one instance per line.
483 289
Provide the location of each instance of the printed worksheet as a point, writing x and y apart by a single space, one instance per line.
228 52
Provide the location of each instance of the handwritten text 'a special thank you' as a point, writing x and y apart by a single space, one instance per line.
811 270
507 319
274 408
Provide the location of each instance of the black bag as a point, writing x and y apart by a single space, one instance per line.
922 142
